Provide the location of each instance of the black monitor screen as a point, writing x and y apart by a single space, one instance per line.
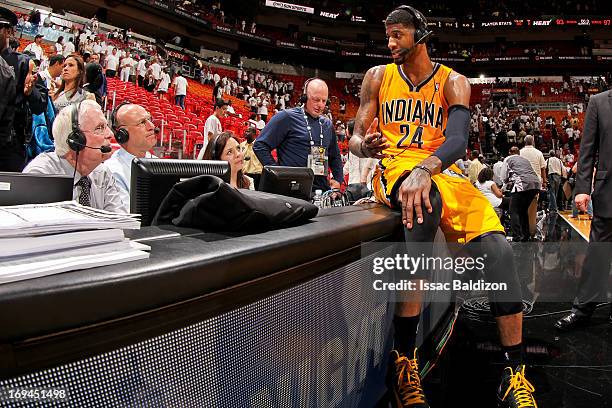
288 181
30 188
152 179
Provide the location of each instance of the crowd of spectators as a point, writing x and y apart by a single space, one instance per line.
496 125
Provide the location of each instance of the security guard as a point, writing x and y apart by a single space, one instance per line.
16 110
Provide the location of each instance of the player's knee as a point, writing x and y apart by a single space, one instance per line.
495 247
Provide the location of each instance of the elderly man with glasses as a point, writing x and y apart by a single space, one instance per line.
82 144
137 135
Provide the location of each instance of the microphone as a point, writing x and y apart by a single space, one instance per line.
104 149
403 51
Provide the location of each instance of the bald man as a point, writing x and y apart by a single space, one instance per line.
141 138
303 137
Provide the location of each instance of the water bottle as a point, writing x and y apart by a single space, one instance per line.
318 198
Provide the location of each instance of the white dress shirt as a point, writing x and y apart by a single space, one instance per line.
142 67
536 158
120 165
104 194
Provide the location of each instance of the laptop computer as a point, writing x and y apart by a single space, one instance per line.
20 188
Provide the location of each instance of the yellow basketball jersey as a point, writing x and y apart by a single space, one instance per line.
413 117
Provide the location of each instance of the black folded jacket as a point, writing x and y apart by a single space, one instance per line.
210 204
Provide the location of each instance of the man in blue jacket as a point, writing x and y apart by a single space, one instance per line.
303 137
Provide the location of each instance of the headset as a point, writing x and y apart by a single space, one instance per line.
421 33
304 96
121 134
76 139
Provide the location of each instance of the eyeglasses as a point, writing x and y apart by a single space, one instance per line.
99 130
142 123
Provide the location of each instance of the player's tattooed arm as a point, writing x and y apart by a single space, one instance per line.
367 140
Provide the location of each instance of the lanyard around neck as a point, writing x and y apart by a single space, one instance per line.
309 128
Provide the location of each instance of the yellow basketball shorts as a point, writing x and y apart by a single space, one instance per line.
466 213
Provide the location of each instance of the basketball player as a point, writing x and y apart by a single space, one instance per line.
421 109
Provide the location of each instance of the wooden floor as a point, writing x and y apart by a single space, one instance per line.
582 224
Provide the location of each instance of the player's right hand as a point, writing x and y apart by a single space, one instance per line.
414 196
374 142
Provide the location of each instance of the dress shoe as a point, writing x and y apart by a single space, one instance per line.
572 321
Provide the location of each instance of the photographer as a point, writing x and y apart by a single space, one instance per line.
21 96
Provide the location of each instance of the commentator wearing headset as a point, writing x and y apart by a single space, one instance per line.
136 133
303 137
82 139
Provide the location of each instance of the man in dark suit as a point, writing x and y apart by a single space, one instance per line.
596 142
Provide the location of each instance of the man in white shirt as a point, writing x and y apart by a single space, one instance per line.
94 183
497 171
180 89
97 48
359 169
112 62
36 47
142 70
164 83
253 104
257 122
69 47
156 69
212 127
126 66
555 172
56 64
135 132
262 109
536 159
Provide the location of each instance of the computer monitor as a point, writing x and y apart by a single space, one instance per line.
288 181
152 179
29 188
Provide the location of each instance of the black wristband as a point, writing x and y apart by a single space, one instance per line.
418 166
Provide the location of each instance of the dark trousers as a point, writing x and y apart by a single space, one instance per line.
140 81
554 182
180 101
594 280
519 206
111 73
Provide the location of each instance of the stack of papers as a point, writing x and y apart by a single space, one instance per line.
37 219
44 239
